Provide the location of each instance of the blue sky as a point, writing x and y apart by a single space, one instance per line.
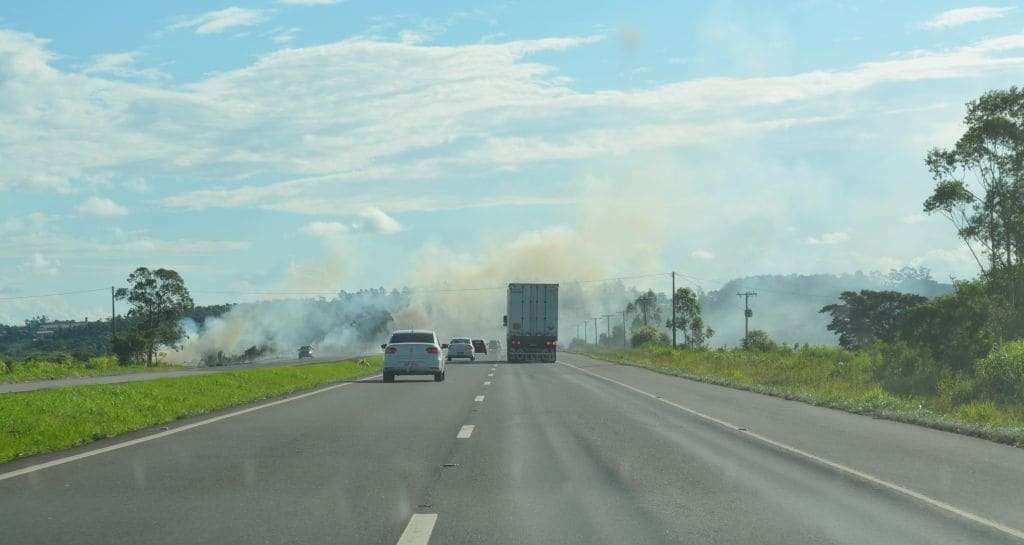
317 145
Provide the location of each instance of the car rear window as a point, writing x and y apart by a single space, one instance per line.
412 338
460 340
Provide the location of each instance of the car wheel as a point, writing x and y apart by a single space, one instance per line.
389 377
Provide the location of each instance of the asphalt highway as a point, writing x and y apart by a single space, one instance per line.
576 452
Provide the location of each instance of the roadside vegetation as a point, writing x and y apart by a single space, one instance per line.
856 381
66 366
46 420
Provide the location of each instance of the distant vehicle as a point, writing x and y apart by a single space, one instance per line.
413 352
493 345
532 322
461 347
306 352
479 347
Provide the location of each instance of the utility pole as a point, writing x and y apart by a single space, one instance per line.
608 326
625 342
577 331
673 309
113 318
747 313
596 334
584 332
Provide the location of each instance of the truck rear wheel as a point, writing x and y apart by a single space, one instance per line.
439 377
389 377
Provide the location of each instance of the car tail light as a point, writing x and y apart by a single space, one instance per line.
391 350
433 350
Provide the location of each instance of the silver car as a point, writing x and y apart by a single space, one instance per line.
413 352
461 347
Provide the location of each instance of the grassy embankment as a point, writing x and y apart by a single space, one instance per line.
39 369
829 377
46 420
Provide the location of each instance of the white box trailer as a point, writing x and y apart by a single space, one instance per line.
531 322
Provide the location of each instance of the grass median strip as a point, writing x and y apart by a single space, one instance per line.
827 377
47 420
37 369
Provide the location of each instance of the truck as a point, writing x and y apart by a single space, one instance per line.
531 323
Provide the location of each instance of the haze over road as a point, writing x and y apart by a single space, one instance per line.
577 452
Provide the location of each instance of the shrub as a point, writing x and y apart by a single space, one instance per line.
759 340
648 335
902 368
1000 375
956 389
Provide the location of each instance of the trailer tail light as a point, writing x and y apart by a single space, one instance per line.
550 344
433 350
391 350
515 343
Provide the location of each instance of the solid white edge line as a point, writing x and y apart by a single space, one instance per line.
1019 534
132 442
465 431
478 398
418 531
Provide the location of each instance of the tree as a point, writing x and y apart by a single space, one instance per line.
645 308
158 300
979 182
688 319
758 339
861 318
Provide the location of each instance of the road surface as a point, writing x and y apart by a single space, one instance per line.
577 452
28 386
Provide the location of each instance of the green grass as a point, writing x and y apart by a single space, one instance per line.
46 420
829 377
36 369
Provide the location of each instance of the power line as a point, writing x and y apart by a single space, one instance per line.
41 295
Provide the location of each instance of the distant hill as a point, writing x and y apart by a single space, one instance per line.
786 306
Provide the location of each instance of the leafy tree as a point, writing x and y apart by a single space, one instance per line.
758 339
688 319
158 299
645 308
862 318
957 328
979 182
647 335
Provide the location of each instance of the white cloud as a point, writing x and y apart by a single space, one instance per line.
40 264
962 16
122 65
829 238
308 2
702 254
101 206
283 35
374 220
413 113
325 229
215 22
371 221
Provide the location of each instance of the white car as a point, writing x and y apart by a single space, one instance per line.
461 347
413 352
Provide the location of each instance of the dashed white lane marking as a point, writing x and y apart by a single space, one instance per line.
1019 534
487 383
418 531
466 431
490 374
478 398
66 459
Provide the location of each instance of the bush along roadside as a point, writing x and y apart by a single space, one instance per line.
52 419
66 366
989 405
